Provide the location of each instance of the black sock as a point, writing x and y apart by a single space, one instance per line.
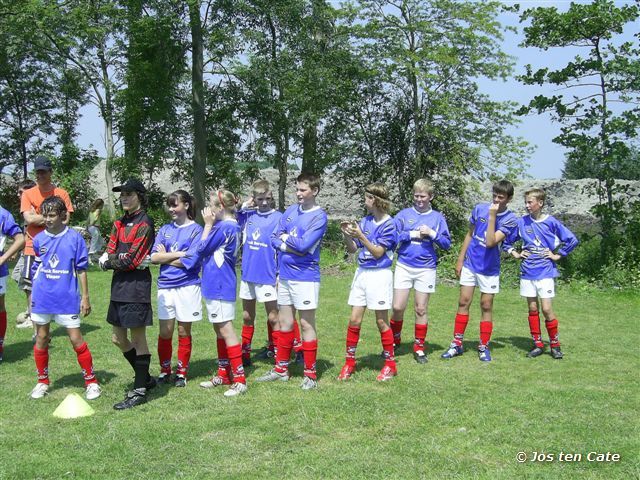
142 371
131 357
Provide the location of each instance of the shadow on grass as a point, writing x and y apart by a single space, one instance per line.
74 380
521 343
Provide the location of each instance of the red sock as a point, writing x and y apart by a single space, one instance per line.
224 368
247 337
275 335
534 328
285 345
386 338
552 330
271 342
86 363
396 328
3 329
485 332
297 341
310 350
420 334
184 355
235 358
459 327
353 335
42 364
165 352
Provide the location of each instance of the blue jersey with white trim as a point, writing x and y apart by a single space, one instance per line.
417 252
537 236
55 283
218 254
259 258
8 228
480 259
302 232
177 238
382 234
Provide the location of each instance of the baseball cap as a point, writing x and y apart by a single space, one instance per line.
131 185
42 163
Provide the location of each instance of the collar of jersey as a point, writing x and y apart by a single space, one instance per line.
422 213
57 234
312 209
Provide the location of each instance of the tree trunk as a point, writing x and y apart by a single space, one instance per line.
106 108
310 147
197 104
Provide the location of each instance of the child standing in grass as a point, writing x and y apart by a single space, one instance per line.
545 240
61 261
218 249
179 295
372 285
479 265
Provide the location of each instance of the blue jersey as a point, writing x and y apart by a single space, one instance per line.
537 236
416 252
8 228
259 258
218 252
480 259
55 283
303 231
382 234
177 238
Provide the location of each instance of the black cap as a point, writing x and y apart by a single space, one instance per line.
131 185
42 163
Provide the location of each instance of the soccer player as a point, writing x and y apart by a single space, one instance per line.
258 220
130 311
218 249
420 230
298 237
479 265
61 261
372 287
545 240
179 295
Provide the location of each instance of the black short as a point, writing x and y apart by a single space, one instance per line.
130 315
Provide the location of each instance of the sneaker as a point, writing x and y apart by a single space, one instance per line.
26 320
299 357
265 354
272 376
163 378
536 352
420 357
246 362
180 381
454 351
387 373
133 399
40 390
151 383
308 383
215 381
236 389
484 354
557 353
92 391
346 372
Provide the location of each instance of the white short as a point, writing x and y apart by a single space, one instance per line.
487 283
3 285
544 288
422 279
67 321
219 311
302 295
372 288
253 291
182 303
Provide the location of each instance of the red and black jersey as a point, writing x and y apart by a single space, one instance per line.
130 241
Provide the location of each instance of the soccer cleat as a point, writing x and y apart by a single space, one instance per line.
26 323
299 357
180 381
272 376
92 391
133 399
346 372
453 351
308 383
216 381
535 352
264 354
387 373
164 378
484 354
40 390
236 389
246 362
151 383
420 357
557 353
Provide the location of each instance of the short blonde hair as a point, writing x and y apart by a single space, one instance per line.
538 193
380 194
260 186
423 185
225 199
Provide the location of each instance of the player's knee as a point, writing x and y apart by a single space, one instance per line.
115 339
548 313
247 319
420 310
486 305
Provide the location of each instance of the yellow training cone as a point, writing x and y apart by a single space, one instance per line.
73 407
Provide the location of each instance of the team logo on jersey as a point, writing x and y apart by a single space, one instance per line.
367 232
289 219
256 234
167 234
411 220
293 232
43 250
529 231
54 261
483 220
174 247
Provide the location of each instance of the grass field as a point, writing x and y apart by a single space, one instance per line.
447 419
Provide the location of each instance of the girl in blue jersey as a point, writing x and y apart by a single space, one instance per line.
179 296
218 249
375 237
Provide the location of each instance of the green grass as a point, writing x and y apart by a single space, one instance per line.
447 419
